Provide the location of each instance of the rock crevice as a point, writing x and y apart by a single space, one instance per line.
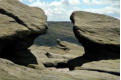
2 11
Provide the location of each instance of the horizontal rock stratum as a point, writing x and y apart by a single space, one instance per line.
98 33
19 26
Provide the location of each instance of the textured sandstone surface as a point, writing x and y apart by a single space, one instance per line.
11 71
96 27
99 34
17 17
104 65
19 26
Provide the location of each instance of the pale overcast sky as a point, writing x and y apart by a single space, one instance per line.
60 10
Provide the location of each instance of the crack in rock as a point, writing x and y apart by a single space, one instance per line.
16 18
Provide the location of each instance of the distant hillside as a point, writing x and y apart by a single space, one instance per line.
57 30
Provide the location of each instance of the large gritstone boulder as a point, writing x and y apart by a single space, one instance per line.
19 26
99 34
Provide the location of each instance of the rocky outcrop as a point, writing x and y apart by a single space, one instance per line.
105 66
11 71
19 26
57 56
99 34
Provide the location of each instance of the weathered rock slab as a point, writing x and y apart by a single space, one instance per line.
111 66
11 71
19 26
99 34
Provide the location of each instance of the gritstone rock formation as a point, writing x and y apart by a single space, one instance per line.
19 26
99 34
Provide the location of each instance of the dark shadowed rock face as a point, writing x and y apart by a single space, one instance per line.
19 26
99 34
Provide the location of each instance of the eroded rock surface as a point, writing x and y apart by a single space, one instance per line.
19 26
99 34
109 66
11 71
56 56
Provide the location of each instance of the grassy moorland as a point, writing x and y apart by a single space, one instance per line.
57 30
